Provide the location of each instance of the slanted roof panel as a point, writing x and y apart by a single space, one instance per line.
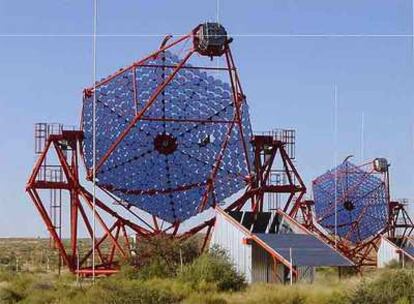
307 250
248 220
409 250
262 221
237 215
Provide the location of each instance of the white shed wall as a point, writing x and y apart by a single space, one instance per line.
387 252
230 238
262 267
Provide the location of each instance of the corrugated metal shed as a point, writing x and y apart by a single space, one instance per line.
262 265
229 237
259 245
389 251
264 269
306 250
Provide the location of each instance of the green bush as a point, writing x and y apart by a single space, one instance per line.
160 256
403 301
213 270
6 275
8 296
32 288
203 298
391 286
112 291
20 284
393 264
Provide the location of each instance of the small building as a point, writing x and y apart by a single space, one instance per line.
272 247
400 250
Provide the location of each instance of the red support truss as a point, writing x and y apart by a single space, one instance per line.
114 232
276 183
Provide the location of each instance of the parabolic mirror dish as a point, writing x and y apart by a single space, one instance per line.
361 202
167 160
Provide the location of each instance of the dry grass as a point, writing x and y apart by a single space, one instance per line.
34 285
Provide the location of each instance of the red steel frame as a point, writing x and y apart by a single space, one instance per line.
79 197
267 148
114 244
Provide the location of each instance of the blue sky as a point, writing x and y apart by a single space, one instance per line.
46 61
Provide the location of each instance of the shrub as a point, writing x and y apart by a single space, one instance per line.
390 286
202 298
403 301
213 270
161 257
40 297
393 264
8 296
112 291
20 284
5 275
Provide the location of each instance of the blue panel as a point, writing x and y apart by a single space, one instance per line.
168 184
409 250
305 250
361 200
